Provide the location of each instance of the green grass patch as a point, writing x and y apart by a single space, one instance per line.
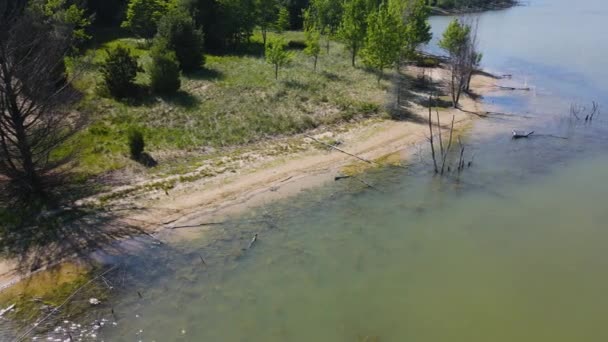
235 100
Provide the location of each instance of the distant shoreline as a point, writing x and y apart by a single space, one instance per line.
494 6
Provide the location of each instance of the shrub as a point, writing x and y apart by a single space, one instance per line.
164 69
178 29
277 55
136 143
119 71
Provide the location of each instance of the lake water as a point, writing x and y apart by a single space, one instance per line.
512 250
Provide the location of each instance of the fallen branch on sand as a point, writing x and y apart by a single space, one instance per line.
341 150
513 88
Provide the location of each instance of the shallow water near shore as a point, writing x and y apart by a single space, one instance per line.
512 249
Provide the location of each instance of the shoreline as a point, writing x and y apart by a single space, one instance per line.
264 179
496 6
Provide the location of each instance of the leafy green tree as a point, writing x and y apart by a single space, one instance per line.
282 23
66 17
417 27
119 71
267 14
179 32
326 15
143 16
277 55
354 25
236 21
382 42
457 43
313 40
164 69
455 37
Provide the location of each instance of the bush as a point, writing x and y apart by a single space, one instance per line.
136 143
164 69
119 71
178 29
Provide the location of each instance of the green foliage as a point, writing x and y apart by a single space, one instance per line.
119 71
267 14
353 26
326 15
417 27
468 4
282 23
136 143
143 16
313 41
164 69
65 16
178 31
277 55
382 42
455 37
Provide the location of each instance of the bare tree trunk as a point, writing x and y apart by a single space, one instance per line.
264 34
447 151
316 60
431 134
276 71
34 121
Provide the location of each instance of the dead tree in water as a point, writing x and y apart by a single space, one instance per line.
431 133
34 93
444 151
460 42
580 112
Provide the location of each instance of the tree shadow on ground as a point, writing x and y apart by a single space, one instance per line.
182 99
252 48
147 160
37 239
205 74
416 90
296 45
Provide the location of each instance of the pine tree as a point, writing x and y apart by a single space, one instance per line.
178 30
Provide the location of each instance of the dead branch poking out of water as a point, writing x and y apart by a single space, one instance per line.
431 133
580 112
461 159
445 155
253 241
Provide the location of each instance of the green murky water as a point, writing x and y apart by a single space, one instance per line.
421 262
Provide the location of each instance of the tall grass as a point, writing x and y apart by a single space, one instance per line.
235 100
